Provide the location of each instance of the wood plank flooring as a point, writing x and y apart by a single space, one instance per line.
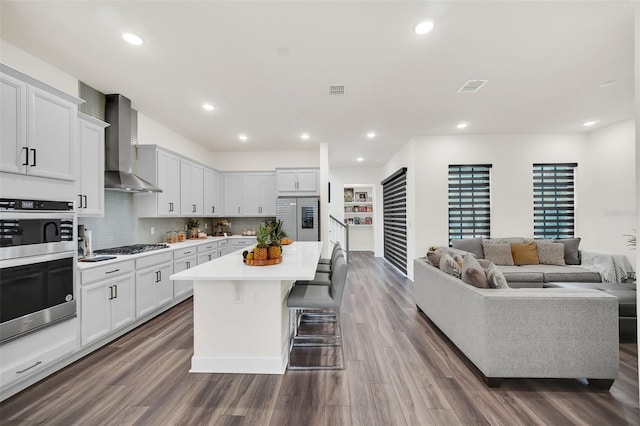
399 371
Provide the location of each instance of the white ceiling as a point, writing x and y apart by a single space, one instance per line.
266 66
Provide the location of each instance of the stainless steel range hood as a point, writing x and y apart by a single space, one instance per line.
118 175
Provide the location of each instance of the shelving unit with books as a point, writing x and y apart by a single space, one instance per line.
359 215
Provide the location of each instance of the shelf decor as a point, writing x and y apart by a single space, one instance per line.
348 195
361 196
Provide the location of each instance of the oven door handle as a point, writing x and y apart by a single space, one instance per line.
30 260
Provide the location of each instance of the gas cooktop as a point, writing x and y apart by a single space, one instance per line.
132 249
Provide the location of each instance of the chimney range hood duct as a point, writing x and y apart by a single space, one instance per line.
117 175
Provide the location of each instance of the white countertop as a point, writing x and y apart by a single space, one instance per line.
299 262
174 246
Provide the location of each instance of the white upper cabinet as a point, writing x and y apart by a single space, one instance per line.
191 188
296 182
162 169
90 182
38 126
250 194
212 193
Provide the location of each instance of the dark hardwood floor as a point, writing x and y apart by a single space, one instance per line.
399 370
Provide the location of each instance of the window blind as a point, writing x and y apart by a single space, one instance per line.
553 200
469 201
394 199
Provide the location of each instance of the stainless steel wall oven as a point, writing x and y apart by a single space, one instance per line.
37 271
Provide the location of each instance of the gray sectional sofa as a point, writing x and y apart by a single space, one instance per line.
526 332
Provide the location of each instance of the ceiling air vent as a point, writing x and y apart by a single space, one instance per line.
471 86
336 89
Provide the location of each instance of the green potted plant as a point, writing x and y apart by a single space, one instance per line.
192 226
276 235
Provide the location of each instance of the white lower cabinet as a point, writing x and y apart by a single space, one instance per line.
183 260
207 252
239 243
153 286
108 300
30 354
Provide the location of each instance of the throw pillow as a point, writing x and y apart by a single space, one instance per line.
550 253
524 253
472 245
508 240
498 253
495 278
472 273
450 266
434 257
571 254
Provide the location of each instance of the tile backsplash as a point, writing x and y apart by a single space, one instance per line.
120 225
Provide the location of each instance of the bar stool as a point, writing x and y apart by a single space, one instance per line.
318 301
324 261
326 267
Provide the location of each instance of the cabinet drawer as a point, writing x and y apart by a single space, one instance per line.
156 259
30 354
222 243
179 254
205 248
108 271
242 242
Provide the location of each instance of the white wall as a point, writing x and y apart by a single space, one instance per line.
264 160
610 189
28 64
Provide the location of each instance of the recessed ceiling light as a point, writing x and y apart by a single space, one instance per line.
208 106
359 159
243 137
371 135
423 27
304 136
589 123
608 83
132 39
462 125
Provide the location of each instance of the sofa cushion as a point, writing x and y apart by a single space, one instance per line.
515 274
550 253
484 263
495 277
524 253
498 253
571 253
565 273
508 240
472 245
449 265
473 273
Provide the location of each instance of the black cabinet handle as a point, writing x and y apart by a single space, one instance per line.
194 208
187 252
34 157
110 292
80 205
209 257
188 265
213 209
170 207
26 157
111 272
85 201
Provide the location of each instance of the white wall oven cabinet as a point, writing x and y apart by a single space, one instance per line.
153 286
298 182
90 183
108 299
212 193
161 168
38 125
182 260
191 189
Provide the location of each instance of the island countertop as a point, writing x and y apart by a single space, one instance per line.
299 262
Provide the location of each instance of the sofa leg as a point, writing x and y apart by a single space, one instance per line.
604 384
492 382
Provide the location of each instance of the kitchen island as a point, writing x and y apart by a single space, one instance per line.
240 316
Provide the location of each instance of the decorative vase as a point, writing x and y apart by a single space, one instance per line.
193 232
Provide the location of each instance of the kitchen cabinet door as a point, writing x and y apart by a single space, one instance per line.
164 287
183 287
191 188
287 180
268 195
299 182
168 169
232 194
251 198
212 193
51 135
146 282
91 177
96 311
123 306
13 125
308 181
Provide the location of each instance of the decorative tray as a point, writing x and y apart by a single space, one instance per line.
286 242
262 262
